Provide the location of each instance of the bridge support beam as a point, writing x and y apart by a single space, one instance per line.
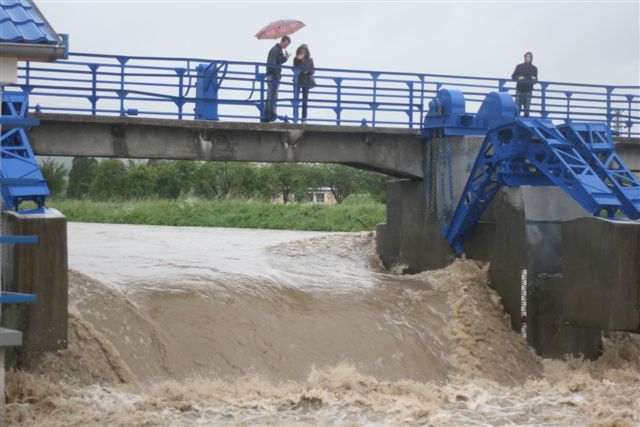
520 235
40 269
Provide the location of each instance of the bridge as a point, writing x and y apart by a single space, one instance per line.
406 125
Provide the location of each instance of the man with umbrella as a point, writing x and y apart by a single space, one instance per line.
277 56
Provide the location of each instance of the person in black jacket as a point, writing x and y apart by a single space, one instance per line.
306 81
526 74
277 56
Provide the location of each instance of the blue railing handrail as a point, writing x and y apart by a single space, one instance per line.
149 85
344 70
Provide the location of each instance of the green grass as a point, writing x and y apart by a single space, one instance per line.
240 214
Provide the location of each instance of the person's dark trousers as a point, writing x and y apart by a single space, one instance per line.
304 95
523 102
270 112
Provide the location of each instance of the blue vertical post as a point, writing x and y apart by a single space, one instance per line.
609 115
374 104
410 85
94 88
180 101
338 107
543 100
296 95
121 93
568 95
27 85
260 76
501 84
422 77
629 121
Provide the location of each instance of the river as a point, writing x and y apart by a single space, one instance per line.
211 326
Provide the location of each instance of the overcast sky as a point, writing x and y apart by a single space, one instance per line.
588 42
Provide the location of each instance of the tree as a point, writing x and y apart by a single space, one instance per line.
286 179
55 174
110 180
81 177
140 181
343 180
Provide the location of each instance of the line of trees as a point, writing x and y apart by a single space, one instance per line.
111 179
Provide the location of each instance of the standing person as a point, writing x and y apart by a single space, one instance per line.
305 78
277 56
526 74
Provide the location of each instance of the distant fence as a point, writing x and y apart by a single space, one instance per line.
166 87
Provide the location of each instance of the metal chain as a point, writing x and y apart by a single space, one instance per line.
429 177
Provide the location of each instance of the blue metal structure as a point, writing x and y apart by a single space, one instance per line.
577 157
17 160
168 87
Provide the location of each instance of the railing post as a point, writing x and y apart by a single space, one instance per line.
121 93
410 112
180 101
296 94
568 94
338 108
27 86
94 88
374 104
260 77
629 122
609 115
543 100
501 84
422 77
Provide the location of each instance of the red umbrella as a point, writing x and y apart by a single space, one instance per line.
280 28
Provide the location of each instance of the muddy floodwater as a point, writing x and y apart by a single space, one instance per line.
184 326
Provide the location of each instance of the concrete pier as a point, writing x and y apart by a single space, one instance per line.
524 235
40 269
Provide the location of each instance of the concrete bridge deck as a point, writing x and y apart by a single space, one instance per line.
392 151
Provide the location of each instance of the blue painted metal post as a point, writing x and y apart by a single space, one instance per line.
543 100
296 95
568 95
421 97
410 112
27 80
374 104
501 84
121 93
629 121
94 88
338 107
260 77
609 115
180 101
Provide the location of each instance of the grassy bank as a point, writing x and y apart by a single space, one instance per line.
344 217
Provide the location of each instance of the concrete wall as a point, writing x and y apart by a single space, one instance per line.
629 151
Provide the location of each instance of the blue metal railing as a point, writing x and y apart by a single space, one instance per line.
166 87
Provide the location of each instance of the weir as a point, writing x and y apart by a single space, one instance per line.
514 192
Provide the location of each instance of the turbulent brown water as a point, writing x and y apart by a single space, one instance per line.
201 326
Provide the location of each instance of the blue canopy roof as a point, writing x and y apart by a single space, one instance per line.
22 22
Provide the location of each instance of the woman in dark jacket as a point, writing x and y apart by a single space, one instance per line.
305 78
